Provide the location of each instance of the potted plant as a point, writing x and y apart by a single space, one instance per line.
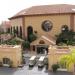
55 67
0 64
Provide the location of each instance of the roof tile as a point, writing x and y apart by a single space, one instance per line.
46 9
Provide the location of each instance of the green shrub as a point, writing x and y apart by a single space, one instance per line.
25 45
32 37
55 67
11 42
66 36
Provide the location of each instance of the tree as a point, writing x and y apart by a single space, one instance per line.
32 37
63 36
66 36
69 59
25 45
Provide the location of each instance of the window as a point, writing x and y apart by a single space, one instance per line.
33 48
64 28
35 32
47 25
41 42
6 61
20 31
29 32
11 29
17 31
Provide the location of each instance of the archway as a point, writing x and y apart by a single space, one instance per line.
29 31
42 48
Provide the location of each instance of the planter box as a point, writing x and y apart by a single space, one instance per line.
6 65
60 69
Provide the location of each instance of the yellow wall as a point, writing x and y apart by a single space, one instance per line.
57 20
36 21
54 56
14 54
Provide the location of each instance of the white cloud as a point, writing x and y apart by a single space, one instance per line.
10 7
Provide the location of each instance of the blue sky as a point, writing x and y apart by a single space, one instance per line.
10 7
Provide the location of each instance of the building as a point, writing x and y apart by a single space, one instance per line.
40 45
5 26
53 15
55 54
10 56
5 37
44 20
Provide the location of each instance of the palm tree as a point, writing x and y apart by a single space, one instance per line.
69 59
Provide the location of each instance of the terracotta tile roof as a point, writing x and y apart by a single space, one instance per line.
47 9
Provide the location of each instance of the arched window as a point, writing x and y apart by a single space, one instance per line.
17 30
14 30
11 30
41 42
21 31
47 25
29 32
64 28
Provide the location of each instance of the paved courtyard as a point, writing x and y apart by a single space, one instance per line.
29 71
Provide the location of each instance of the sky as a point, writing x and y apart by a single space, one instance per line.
8 8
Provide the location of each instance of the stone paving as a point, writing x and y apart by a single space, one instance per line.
29 71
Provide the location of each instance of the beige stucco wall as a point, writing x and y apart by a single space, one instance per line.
74 22
57 20
55 55
14 54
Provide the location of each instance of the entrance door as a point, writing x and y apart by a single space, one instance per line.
42 49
